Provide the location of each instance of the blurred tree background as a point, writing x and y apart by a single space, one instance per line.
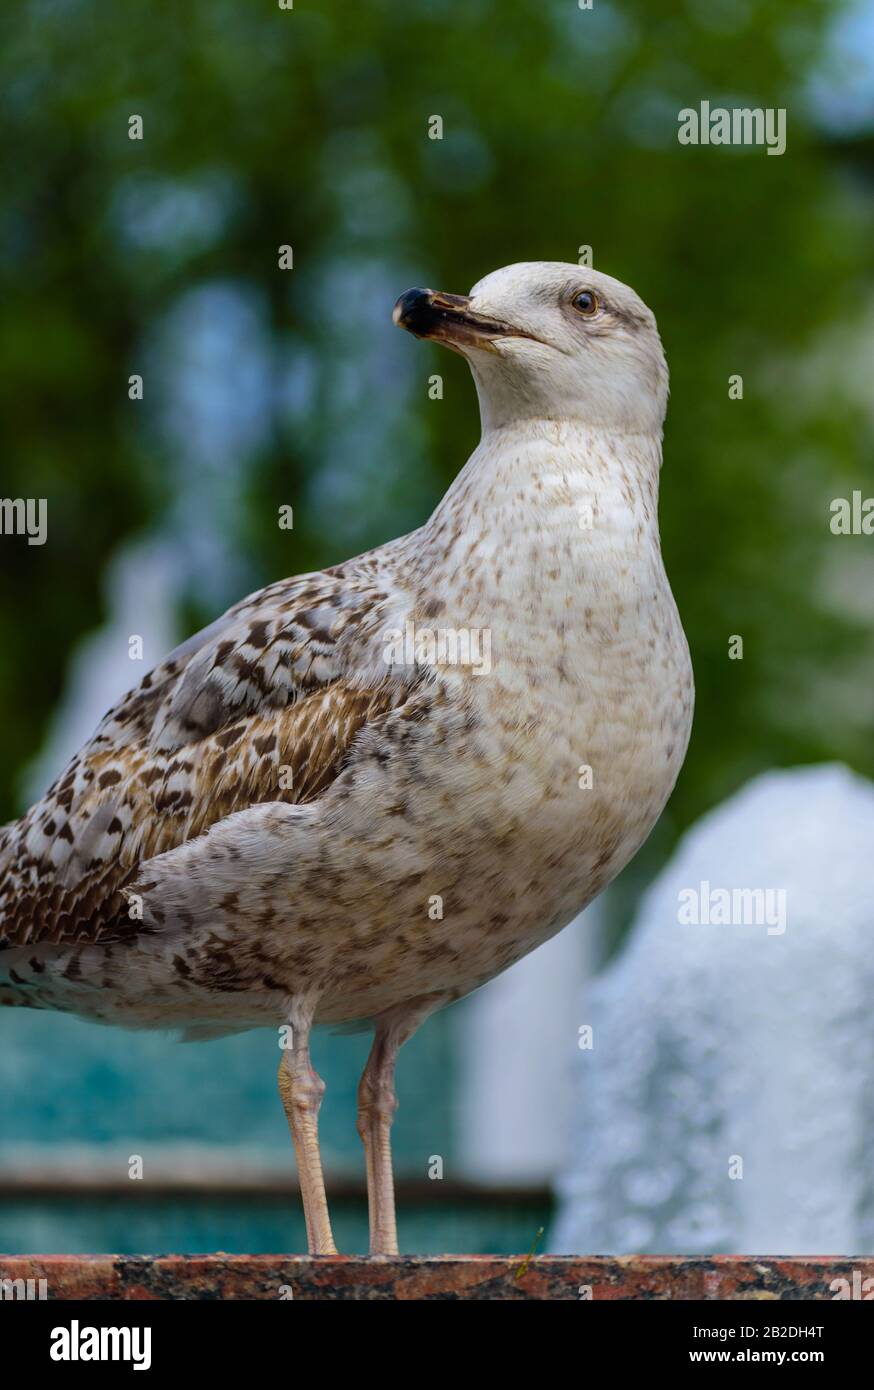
265 387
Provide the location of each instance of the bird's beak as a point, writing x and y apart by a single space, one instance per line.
449 319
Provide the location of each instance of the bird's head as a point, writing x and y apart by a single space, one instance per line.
548 340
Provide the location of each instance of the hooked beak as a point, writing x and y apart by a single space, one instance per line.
448 319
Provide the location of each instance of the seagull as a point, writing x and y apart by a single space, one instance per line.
364 792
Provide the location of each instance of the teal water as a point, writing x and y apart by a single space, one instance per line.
65 1083
127 1228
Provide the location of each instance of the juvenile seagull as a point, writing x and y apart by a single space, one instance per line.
362 793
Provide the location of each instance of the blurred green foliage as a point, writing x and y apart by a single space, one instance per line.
309 127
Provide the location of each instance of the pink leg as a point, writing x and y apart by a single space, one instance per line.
377 1104
301 1090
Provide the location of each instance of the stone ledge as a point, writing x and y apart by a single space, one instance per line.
486 1277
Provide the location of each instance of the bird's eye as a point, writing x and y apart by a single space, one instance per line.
587 303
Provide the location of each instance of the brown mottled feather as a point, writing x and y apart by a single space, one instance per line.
255 708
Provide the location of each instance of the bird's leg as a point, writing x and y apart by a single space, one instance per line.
377 1104
301 1091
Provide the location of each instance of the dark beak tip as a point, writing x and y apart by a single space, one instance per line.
409 308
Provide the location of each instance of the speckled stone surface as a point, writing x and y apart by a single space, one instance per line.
210 1277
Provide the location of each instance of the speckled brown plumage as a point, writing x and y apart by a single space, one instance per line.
254 709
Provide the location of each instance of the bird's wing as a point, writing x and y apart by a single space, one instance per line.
262 706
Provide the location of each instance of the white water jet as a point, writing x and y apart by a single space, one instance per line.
727 1104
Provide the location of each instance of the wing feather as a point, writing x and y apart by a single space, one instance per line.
262 706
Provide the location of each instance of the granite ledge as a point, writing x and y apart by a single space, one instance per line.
485 1277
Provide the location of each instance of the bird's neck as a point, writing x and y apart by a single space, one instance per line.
546 495
545 552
